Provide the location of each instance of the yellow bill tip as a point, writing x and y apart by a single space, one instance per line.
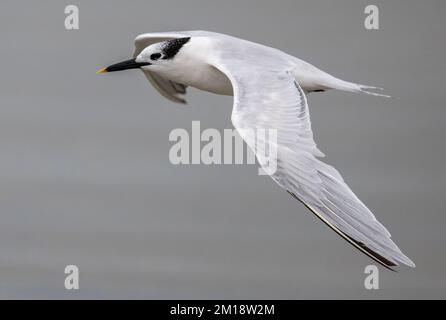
103 70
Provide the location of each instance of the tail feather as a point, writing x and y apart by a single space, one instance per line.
331 82
356 87
366 89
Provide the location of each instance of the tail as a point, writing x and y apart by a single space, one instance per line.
342 85
366 89
312 79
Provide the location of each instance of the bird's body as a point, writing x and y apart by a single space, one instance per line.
269 88
193 67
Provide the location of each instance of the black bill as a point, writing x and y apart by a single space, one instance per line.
124 65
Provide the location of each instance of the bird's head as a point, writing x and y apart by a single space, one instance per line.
154 57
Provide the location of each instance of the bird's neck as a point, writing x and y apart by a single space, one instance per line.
191 68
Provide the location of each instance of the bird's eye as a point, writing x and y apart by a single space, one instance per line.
155 56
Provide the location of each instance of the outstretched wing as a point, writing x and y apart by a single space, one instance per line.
266 96
169 89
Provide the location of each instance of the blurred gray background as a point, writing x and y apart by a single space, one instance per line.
85 177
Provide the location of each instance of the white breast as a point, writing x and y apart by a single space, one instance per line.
208 78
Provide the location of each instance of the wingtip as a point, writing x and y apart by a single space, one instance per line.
383 261
410 263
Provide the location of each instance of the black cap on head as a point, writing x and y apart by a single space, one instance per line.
171 48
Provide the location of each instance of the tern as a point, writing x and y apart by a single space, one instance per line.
269 89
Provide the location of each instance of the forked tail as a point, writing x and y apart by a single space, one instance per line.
366 89
355 87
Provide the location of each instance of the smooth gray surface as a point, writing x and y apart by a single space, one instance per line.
85 177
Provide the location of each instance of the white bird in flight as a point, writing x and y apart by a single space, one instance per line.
269 88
